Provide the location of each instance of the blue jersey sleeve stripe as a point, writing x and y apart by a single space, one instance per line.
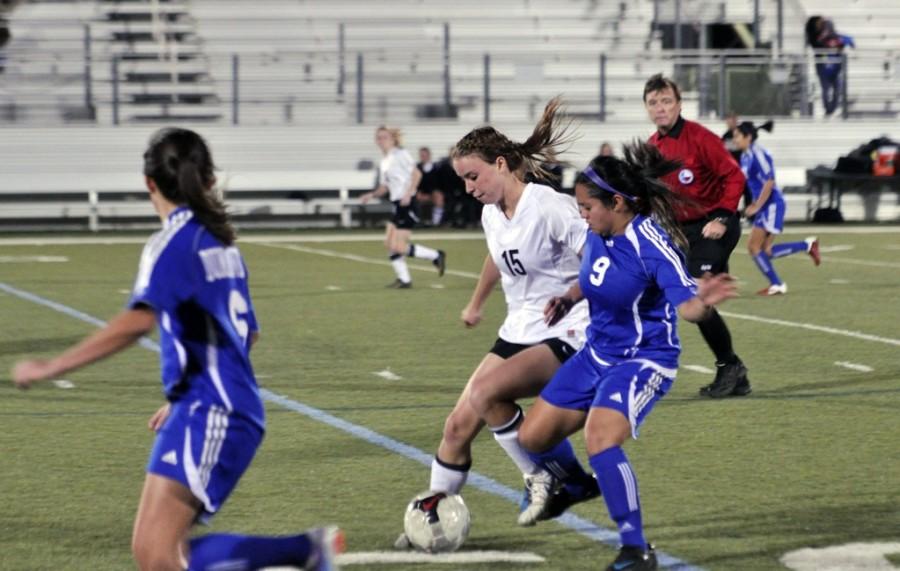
666 250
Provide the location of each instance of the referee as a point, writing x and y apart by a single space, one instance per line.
712 183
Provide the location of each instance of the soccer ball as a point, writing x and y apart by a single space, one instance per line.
436 522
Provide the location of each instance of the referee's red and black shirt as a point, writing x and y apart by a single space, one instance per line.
709 175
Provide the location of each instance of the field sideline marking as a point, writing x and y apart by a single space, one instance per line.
578 524
770 321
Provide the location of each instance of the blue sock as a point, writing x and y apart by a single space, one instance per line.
620 492
562 463
239 552
781 250
765 266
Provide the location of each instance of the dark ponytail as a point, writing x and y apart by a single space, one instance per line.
550 138
748 129
638 175
179 162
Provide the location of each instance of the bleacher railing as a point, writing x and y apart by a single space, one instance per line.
80 81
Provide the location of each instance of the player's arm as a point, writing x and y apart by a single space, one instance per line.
711 291
488 279
121 331
763 197
414 181
379 191
732 179
559 306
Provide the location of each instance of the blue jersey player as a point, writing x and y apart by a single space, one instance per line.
767 209
192 282
636 283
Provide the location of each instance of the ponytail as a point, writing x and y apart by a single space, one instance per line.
550 138
179 162
748 129
638 175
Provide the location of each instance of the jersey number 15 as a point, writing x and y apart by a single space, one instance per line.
513 263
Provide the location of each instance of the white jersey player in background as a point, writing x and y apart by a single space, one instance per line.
399 178
534 237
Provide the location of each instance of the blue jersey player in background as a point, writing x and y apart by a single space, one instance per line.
767 208
636 283
192 282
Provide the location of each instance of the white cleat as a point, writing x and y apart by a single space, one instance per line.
539 488
774 289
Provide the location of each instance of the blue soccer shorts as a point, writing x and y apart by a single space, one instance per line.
205 449
631 387
771 217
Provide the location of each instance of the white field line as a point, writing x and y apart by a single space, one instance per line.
836 248
782 322
698 369
387 374
412 557
871 263
854 366
32 259
362 259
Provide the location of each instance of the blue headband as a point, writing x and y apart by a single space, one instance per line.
595 178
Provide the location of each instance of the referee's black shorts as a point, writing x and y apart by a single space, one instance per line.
705 255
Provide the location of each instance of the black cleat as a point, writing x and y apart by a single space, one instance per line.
398 284
562 500
731 380
440 262
633 558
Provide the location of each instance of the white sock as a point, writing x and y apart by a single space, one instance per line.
400 269
423 252
509 441
448 480
437 213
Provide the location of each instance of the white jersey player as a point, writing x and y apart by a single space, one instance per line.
399 178
534 238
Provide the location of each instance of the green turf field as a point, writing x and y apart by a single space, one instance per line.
809 460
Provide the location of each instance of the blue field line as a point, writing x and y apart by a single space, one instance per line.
578 524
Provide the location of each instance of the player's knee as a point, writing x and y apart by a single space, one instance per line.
533 439
596 441
754 249
481 396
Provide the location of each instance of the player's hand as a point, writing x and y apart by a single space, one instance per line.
713 290
365 198
556 309
714 230
470 316
24 373
159 417
751 210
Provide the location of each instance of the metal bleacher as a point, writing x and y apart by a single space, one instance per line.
289 151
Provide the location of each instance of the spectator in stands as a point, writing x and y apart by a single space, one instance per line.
768 208
4 39
606 150
821 35
193 282
713 183
399 178
429 192
635 279
462 209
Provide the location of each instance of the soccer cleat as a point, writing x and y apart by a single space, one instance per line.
774 289
398 284
402 542
812 248
633 558
539 488
440 262
328 542
563 499
731 380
